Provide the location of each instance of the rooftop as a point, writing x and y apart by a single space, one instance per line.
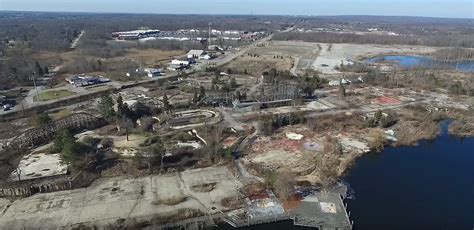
324 210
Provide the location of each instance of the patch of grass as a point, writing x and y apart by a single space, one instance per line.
53 95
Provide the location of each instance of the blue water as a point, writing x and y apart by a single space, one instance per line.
430 186
424 187
410 62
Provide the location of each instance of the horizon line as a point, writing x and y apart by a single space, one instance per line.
233 14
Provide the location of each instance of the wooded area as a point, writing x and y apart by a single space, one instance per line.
439 40
24 35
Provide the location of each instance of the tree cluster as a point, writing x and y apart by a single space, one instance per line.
275 76
383 120
76 154
270 123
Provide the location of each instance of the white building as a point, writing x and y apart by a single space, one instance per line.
152 72
179 62
339 82
135 34
206 57
195 53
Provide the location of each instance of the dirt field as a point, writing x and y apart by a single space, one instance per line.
153 57
334 54
312 158
265 60
322 56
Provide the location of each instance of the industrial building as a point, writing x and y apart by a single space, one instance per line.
151 72
135 34
86 80
195 53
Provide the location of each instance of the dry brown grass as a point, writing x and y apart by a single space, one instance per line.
409 133
416 124
377 140
462 128
232 202
153 57
257 65
337 122
284 183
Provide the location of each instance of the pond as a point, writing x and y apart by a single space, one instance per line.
409 62
430 186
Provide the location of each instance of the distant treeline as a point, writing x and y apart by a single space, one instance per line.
55 31
330 37
23 35
419 26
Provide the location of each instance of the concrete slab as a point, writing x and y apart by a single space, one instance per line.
40 165
110 199
324 210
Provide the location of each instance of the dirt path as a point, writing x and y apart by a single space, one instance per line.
76 41
254 88
232 122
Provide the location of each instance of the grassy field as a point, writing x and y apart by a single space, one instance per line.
153 57
53 94
265 60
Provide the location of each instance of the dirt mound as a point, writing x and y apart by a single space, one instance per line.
170 200
204 187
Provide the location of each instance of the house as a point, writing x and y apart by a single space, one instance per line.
195 53
215 48
180 62
339 82
206 57
173 67
150 72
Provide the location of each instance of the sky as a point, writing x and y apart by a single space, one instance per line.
425 8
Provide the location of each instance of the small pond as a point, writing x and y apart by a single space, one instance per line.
409 62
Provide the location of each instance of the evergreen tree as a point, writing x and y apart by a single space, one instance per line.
120 106
42 120
166 104
342 90
233 83
202 92
106 106
38 69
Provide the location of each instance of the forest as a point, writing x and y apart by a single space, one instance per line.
439 40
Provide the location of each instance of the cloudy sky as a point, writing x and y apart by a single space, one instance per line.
429 8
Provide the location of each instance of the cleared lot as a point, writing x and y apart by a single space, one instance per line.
106 201
323 56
